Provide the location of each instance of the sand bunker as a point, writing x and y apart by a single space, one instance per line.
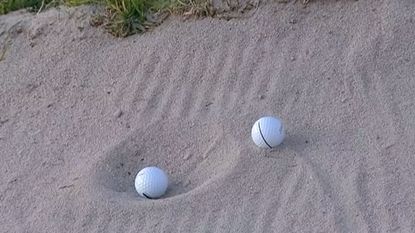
82 112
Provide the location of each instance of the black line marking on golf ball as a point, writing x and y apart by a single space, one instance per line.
260 132
147 196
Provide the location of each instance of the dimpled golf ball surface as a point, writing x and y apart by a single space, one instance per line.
268 132
151 182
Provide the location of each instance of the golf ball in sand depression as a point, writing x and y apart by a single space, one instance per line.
268 132
151 182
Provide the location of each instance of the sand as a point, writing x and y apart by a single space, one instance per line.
82 112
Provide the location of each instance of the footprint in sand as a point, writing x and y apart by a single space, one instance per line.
193 154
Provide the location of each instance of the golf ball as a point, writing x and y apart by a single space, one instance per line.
268 132
151 182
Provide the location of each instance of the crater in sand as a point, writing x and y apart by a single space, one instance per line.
191 153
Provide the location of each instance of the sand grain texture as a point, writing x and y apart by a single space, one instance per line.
82 113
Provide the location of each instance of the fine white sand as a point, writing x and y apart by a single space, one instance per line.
82 112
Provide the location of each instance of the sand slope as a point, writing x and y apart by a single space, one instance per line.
82 112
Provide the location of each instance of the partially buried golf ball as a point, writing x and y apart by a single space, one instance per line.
151 182
268 132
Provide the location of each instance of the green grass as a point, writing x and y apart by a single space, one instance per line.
7 6
11 5
79 2
122 17
126 17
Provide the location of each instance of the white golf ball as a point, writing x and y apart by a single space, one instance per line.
268 132
151 182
